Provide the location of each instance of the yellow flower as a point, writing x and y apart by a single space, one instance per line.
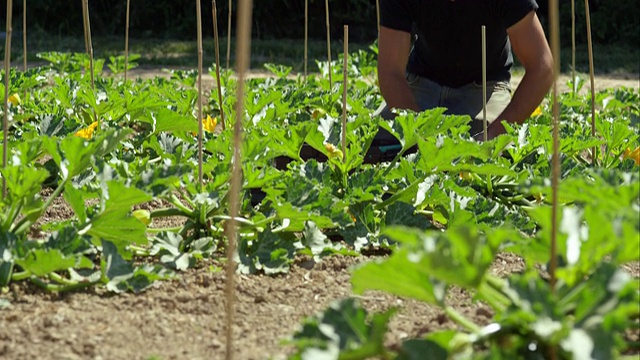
537 112
15 99
635 155
209 124
353 218
333 152
87 132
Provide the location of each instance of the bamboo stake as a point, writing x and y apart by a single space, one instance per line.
126 41
87 34
84 23
7 69
229 20
594 158
326 2
217 44
555 174
243 54
484 82
24 35
306 37
200 126
345 67
378 14
573 46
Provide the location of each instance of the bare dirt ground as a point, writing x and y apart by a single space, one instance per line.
185 318
630 80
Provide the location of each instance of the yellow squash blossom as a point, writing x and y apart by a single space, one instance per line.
537 111
87 132
635 155
333 152
209 124
15 99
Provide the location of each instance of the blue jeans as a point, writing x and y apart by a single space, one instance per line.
465 100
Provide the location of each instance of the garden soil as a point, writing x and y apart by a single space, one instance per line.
185 318
601 82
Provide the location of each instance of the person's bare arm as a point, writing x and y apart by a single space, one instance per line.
393 54
531 48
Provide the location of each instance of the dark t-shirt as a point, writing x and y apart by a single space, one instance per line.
448 45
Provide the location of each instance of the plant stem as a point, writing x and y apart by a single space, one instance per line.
12 215
61 288
139 251
186 198
393 197
494 297
169 212
60 279
393 162
459 319
203 214
159 230
265 221
25 223
173 199
20 276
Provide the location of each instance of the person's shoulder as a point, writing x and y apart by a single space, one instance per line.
398 14
512 11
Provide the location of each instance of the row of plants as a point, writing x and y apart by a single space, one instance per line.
592 309
445 211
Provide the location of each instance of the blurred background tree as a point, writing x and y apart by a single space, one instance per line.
613 21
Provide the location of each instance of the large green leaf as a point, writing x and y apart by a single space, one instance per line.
343 332
166 120
43 262
114 221
120 275
428 261
400 275
74 155
270 252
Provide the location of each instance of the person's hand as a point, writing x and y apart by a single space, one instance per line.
494 130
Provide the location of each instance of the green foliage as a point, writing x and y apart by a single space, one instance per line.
444 212
343 331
